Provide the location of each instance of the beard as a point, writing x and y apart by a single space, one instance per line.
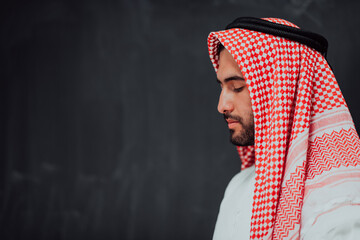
244 137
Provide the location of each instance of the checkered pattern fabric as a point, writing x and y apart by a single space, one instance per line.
290 84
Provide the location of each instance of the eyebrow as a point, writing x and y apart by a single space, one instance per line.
232 78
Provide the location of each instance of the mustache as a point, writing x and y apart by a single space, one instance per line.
233 117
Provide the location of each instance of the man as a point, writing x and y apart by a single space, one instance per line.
300 152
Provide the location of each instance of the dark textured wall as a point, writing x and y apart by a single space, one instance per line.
108 121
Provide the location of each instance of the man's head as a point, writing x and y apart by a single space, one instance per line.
234 100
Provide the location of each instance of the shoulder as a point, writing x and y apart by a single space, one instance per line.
331 206
340 222
233 221
240 180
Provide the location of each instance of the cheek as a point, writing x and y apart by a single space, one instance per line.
247 100
243 102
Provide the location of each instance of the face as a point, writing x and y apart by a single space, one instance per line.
234 101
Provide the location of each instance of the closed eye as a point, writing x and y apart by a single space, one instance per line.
238 89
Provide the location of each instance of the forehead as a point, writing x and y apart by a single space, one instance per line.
227 66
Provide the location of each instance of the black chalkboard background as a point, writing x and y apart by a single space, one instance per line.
108 121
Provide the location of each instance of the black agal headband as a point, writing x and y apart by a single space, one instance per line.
310 39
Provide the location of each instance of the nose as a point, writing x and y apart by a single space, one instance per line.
225 102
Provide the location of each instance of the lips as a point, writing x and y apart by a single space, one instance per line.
231 123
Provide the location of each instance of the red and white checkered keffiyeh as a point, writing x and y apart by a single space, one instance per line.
304 134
